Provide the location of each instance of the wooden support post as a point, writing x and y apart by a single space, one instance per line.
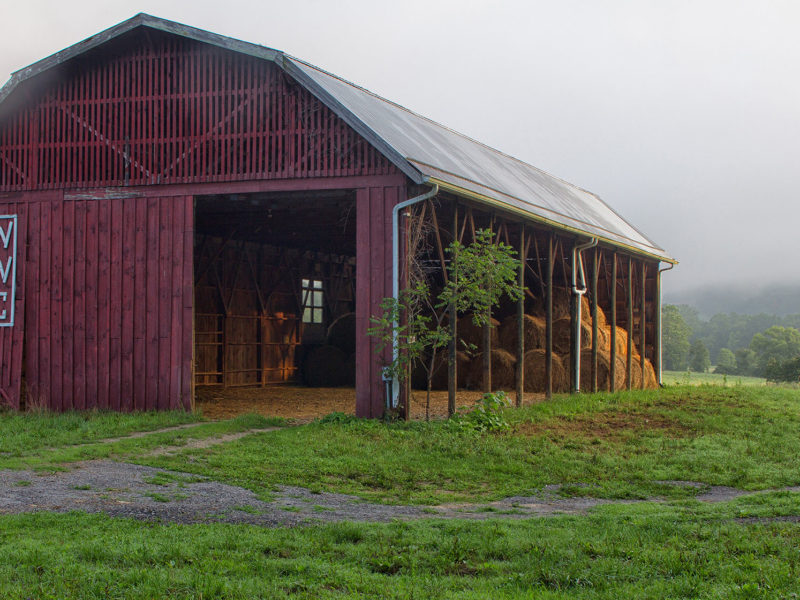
521 319
629 364
487 355
657 331
452 363
548 356
405 388
595 341
612 369
574 334
487 342
643 322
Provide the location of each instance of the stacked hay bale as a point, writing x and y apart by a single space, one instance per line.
504 369
419 375
534 331
536 371
472 335
504 352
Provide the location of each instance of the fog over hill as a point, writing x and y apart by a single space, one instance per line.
776 299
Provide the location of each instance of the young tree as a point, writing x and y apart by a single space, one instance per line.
479 275
675 334
699 360
726 362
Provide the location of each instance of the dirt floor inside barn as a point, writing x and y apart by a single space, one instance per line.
304 404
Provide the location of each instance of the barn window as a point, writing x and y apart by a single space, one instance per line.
312 301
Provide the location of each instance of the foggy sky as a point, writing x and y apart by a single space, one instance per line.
683 116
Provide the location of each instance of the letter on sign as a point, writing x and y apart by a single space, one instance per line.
8 268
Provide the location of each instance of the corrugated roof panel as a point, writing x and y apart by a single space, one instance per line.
448 156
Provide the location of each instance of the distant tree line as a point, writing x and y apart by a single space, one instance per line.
759 345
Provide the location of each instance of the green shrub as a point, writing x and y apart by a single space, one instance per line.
488 414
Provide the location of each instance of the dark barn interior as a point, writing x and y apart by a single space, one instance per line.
273 274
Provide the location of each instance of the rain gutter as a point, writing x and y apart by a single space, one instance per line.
484 199
660 330
577 267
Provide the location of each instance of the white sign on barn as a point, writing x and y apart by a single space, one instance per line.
8 268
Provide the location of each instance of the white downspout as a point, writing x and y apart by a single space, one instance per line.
395 272
577 266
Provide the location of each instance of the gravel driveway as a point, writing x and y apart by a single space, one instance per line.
128 490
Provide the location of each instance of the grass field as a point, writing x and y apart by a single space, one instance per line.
741 549
689 378
604 445
609 445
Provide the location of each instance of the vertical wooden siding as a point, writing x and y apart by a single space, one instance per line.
109 298
11 355
374 276
170 110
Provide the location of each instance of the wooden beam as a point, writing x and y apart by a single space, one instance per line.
521 319
629 298
643 322
452 362
595 341
438 237
657 332
548 359
613 366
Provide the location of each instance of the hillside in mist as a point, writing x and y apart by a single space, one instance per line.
779 299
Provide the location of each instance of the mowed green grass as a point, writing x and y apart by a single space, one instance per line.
742 549
622 445
690 378
613 445
52 441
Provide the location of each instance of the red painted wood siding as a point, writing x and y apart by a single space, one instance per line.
374 276
171 110
109 303
11 355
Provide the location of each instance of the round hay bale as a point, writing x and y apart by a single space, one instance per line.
535 372
603 372
440 377
503 371
342 333
419 376
621 341
602 322
636 372
470 333
325 367
650 379
562 304
534 329
562 332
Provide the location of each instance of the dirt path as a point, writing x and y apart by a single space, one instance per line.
206 442
127 490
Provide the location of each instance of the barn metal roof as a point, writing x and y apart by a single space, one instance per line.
424 150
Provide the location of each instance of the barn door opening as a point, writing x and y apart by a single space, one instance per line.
274 302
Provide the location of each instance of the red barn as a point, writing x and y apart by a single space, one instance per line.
178 209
